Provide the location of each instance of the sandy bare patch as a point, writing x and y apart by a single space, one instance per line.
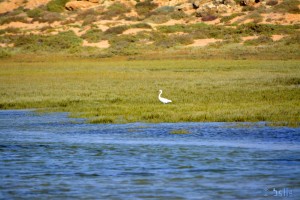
178 33
102 44
284 19
203 42
277 37
35 25
249 38
6 45
35 3
135 31
8 6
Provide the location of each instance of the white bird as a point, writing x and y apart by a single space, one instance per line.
163 100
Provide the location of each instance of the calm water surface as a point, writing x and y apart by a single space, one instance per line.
51 156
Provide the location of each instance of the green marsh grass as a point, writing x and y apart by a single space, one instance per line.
107 91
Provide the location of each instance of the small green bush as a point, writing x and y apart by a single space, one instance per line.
35 13
93 35
116 30
56 5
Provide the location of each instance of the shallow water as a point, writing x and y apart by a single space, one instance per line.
51 156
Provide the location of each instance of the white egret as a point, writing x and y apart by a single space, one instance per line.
163 100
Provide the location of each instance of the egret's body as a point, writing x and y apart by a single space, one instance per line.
163 100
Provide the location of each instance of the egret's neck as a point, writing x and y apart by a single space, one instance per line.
160 92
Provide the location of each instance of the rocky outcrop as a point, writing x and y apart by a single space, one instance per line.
10 5
213 7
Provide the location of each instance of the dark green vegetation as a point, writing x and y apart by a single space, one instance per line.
107 91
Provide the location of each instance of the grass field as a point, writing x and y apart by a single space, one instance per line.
119 91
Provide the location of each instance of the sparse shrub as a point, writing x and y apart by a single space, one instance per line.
290 6
35 13
178 15
56 5
256 17
62 41
199 30
145 7
116 9
269 20
171 41
49 17
260 40
248 8
287 81
10 30
292 39
209 17
163 10
93 35
89 20
123 45
9 19
165 42
88 16
141 25
272 2
68 21
230 17
265 29
159 19
85 13
116 30
46 28
4 53
185 39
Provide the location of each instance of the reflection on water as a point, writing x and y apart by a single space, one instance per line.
55 157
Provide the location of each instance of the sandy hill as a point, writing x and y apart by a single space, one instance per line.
98 22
